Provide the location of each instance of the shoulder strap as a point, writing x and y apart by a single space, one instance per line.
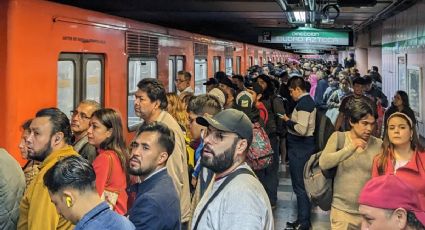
225 182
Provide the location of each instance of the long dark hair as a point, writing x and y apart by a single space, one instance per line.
404 98
388 148
112 120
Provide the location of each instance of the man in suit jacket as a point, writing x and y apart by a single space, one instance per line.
157 204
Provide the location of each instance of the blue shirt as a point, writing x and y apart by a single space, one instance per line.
102 217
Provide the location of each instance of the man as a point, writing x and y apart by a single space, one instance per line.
354 165
388 203
228 88
150 105
72 187
157 204
211 84
349 62
238 81
80 118
48 142
12 187
376 77
342 122
183 82
300 142
242 203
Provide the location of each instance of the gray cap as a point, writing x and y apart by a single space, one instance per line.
229 120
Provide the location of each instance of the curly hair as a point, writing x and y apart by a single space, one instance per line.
177 109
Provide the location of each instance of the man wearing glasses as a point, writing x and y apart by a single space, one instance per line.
183 82
80 118
235 199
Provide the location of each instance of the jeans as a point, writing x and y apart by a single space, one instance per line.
299 151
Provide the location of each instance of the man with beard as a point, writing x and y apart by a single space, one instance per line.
150 105
235 199
157 205
48 142
354 165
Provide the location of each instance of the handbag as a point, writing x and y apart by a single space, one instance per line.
110 194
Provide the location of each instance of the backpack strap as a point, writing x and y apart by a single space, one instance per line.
225 182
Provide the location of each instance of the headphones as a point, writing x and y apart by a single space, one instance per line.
68 201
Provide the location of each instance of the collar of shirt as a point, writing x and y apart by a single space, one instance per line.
92 214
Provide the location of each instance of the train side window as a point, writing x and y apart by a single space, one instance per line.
238 64
229 66
138 69
66 85
94 80
175 64
200 75
216 64
251 61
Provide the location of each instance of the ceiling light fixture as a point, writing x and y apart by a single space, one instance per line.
300 16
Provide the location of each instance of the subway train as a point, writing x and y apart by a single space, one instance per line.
53 55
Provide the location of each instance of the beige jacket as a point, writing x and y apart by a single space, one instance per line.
177 165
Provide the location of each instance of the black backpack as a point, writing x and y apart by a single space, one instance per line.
281 128
323 129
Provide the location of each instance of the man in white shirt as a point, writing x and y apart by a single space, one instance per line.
235 199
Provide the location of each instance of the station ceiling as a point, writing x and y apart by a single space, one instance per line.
244 20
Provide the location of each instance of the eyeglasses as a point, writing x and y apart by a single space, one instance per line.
81 115
180 80
217 135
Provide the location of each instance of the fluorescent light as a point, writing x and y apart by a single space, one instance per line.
299 16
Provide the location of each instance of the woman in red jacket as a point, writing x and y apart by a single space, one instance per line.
402 154
105 133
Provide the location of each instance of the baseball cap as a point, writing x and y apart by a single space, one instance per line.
244 99
211 81
229 120
390 192
219 94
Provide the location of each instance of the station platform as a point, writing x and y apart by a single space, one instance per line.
286 208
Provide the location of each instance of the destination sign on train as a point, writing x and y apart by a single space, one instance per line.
305 36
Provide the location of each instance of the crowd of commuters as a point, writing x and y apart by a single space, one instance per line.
188 167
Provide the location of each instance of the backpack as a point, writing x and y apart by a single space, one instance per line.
319 183
260 153
323 130
281 128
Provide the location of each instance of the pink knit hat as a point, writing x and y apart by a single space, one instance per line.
390 192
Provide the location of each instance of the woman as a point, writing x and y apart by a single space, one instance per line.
400 104
177 109
334 101
402 154
105 133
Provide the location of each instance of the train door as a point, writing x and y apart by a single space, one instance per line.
138 69
229 66
175 64
216 64
80 77
238 64
200 75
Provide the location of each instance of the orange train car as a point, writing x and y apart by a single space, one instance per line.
53 55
